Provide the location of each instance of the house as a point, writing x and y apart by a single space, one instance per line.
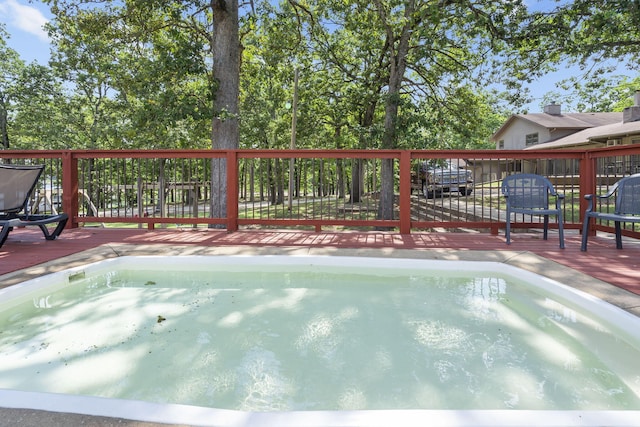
553 129
522 131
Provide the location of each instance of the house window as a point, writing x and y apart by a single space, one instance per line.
501 144
531 139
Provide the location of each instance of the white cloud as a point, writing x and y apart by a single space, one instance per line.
25 18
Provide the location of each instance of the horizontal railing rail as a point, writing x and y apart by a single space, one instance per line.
316 189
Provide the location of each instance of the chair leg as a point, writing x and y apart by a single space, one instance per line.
585 233
56 232
546 227
4 233
508 233
561 230
618 235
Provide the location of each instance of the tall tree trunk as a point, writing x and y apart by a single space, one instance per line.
4 122
279 164
357 171
398 50
339 163
252 181
272 182
226 74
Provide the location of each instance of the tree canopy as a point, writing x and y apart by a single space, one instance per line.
381 74
142 74
596 42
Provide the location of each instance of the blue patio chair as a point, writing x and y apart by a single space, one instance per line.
626 208
16 185
529 194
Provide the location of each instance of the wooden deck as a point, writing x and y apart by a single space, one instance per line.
26 247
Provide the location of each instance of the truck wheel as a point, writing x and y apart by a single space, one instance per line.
466 191
428 194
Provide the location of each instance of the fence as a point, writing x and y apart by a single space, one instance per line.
315 189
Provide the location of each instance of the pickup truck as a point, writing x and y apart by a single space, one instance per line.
445 177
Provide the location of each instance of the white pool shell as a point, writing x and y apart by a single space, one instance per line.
624 323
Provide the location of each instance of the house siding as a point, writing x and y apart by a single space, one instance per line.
515 136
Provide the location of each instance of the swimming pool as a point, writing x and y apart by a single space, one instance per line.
270 309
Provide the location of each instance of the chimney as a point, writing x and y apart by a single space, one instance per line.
632 114
553 109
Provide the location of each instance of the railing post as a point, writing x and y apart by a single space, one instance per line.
70 188
232 190
587 183
405 192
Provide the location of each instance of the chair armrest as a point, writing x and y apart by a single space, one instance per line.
611 192
589 197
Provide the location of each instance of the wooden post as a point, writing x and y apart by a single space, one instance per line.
232 190
70 188
405 192
588 181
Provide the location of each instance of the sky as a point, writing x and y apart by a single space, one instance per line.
24 19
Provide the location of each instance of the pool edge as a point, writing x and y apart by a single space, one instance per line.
522 259
173 414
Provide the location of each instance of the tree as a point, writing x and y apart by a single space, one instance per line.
10 68
422 49
41 111
225 50
225 47
595 31
267 77
347 48
595 94
344 52
201 34
598 38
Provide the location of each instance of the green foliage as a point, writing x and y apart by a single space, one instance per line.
137 74
608 29
40 119
599 38
595 94
387 73
137 71
10 70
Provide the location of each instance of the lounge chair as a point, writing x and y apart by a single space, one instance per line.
16 185
529 194
626 209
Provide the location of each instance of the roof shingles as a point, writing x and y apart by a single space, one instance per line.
572 120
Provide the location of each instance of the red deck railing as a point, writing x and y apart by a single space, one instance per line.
308 188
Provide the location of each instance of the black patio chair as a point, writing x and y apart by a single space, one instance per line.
16 185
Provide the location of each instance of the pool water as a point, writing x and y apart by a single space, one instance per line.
300 334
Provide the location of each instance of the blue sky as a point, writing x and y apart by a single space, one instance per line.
24 19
